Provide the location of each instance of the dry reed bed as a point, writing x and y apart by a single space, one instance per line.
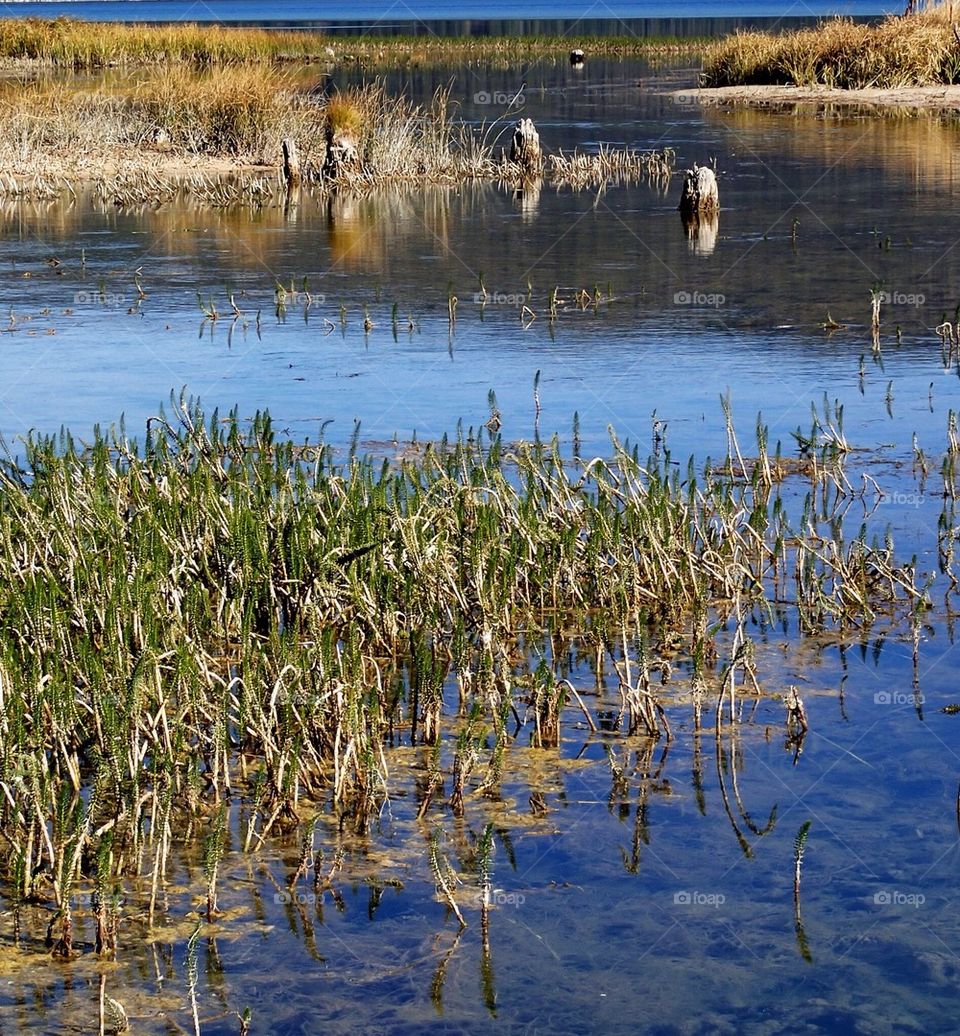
913 50
610 165
80 45
216 609
218 137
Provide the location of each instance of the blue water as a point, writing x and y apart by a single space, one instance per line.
387 14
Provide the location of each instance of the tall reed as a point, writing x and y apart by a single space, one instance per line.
914 50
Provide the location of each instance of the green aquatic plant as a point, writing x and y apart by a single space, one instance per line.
214 609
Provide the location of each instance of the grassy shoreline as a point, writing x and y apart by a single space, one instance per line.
882 102
78 45
912 50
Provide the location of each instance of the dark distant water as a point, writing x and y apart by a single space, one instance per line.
494 15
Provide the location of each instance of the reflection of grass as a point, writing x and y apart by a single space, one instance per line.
65 43
913 50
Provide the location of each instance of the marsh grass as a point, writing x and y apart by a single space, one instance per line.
610 165
217 135
81 45
233 112
914 50
216 610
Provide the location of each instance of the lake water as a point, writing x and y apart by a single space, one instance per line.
678 16
621 907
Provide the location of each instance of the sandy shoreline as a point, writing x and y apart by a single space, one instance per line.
932 98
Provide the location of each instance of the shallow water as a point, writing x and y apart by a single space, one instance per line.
628 906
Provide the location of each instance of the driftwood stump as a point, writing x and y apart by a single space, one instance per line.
343 152
525 149
700 195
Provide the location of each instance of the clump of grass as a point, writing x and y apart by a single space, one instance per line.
343 114
231 112
390 139
913 50
235 112
609 165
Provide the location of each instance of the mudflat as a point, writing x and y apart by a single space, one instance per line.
938 97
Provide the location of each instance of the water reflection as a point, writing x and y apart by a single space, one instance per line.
701 230
915 148
527 197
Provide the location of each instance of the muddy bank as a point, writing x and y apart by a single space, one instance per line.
928 98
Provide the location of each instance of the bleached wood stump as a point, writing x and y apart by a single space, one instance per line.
343 153
525 149
700 194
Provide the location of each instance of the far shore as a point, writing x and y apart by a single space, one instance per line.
933 98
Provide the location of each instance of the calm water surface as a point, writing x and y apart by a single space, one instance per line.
628 906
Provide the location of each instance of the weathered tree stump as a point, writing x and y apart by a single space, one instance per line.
291 162
525 149
343 152
700 194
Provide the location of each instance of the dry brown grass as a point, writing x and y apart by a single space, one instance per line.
65 43
236 112
142 141
914 50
